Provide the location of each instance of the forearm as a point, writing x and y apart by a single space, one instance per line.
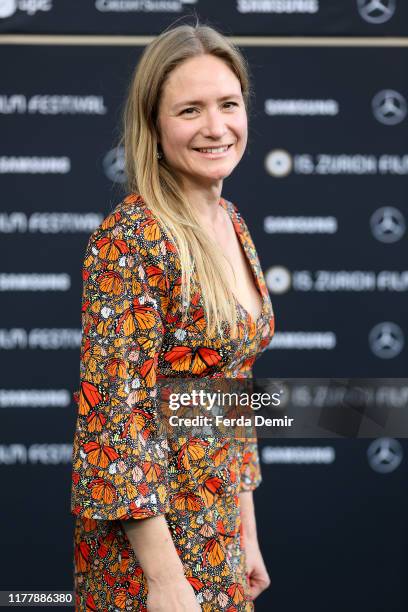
257 574
154 548
247 511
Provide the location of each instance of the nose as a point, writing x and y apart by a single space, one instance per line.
214 124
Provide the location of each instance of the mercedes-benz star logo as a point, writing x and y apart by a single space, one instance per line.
386 340
384 455
389 107
387 224
114 165
376 11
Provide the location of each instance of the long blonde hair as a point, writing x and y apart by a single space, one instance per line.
156 182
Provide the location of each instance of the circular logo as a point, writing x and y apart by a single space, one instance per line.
278 163
376 11
389 107
278 279
387 224
386 340
114 165
384 455
284 395
7 8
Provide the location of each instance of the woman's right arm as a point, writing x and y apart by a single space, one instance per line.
120 469
168 589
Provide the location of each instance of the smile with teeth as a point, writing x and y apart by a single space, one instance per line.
214 149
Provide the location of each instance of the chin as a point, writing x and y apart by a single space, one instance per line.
220 174
225 173
215 177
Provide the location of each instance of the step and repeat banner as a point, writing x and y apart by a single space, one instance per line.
323 188
247 17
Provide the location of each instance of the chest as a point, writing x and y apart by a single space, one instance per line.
187 349
242 278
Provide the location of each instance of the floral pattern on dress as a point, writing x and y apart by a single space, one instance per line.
132 335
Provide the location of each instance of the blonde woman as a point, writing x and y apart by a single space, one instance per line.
172 288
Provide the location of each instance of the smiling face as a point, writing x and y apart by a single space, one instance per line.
202 120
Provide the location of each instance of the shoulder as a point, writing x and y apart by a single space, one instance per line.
131 227
128 216
127 253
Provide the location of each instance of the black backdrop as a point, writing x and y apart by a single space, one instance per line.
244 17
323 188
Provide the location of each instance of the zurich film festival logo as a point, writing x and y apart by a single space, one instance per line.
278 279
386 340
376 11
387 224
279 163
384 455
389 107
9 7
114 165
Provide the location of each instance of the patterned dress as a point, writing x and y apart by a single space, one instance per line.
132 334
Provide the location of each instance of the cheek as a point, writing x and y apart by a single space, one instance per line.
244 128
176 137
244 136
241 128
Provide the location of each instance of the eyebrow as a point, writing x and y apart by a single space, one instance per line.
192 102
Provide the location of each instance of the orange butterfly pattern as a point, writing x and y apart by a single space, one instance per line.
132 333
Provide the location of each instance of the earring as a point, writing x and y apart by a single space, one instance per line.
159 155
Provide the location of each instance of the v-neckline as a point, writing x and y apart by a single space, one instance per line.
238 232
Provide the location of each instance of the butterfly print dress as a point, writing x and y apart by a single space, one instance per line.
132 334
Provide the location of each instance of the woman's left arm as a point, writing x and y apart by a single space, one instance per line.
258 576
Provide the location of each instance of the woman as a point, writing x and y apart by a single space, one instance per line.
172 288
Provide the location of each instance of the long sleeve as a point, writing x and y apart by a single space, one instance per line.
251 476
250 470
119 458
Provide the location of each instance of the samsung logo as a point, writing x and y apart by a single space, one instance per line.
302 108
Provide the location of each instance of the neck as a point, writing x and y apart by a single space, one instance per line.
204 199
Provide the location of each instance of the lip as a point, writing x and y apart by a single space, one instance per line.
214 155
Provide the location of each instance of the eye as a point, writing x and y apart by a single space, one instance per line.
186 110
231 103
